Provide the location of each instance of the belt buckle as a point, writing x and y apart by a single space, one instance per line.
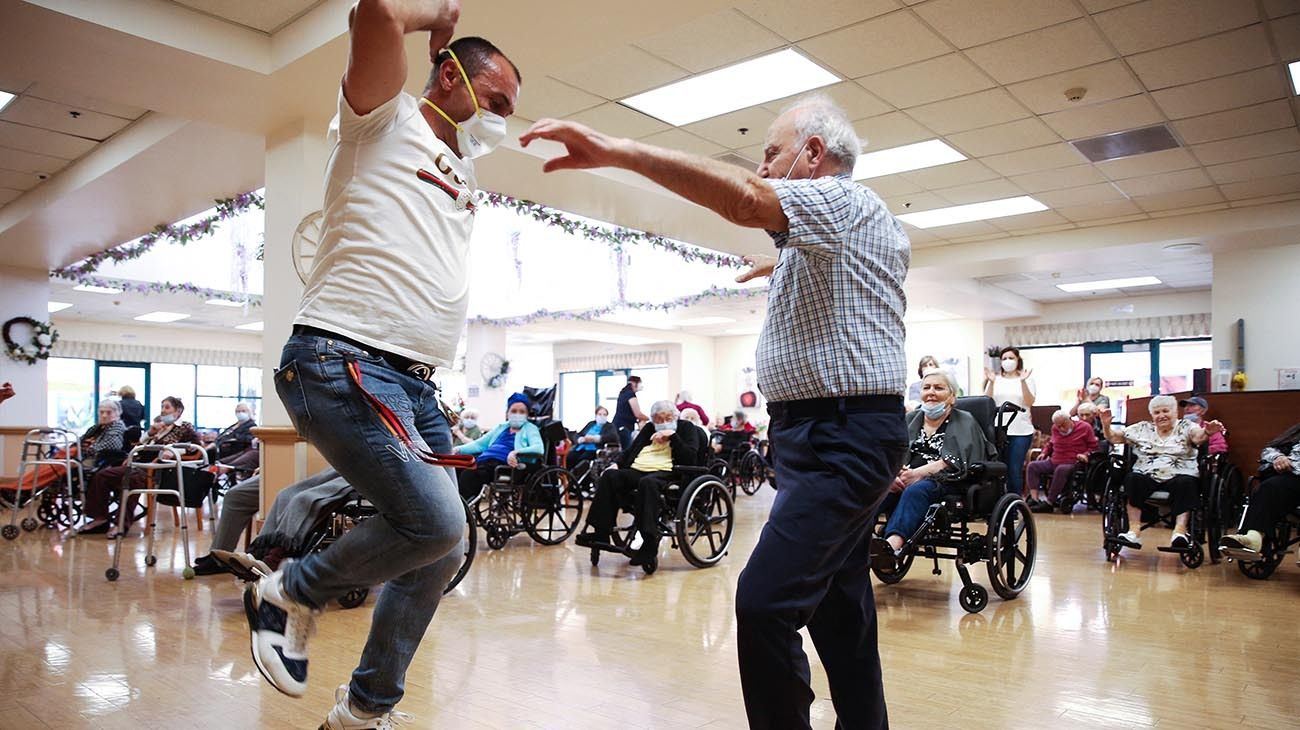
419 371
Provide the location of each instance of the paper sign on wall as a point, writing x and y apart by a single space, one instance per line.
1288 379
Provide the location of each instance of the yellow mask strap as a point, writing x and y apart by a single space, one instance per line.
441 113
473 97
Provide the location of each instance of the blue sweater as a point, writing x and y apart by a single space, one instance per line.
528 440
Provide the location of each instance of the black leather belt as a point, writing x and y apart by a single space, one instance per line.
834 407
405 365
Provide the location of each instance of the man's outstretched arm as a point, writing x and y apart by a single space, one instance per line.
377 57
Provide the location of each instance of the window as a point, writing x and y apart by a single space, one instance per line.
172 380
219 389
71 390
1178 359
1058 374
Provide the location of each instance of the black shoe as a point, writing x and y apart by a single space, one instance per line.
99 529
591 540
1031 501
883 557
208 565
1041 507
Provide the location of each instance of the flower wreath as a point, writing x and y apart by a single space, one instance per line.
43 339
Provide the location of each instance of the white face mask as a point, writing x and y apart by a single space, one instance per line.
933 411
242 416
482 132
602 420
1008 365
517 420
795 161
1094 389
469 422
662 427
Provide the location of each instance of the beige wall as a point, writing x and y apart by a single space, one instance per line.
23 293
1262 287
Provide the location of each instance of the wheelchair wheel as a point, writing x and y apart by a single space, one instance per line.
1227 497
890 577
1013 543
354 598
705 519
552 507
752 470
719 468
1114 521
973 598
471 548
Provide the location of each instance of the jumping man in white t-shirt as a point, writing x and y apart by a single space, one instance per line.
384 307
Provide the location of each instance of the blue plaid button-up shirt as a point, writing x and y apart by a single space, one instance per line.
835 307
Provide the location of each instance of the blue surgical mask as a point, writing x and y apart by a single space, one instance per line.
469 422
934 411
602 420
168 420
670 426
517 420
1192 417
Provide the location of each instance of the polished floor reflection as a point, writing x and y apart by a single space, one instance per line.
537 638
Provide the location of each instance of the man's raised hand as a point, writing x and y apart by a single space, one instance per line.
587 148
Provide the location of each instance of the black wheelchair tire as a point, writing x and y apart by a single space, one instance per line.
1227 497
354 597
471 549
752 470
1012 541
973 598
704 503
1193 558
1114 520
904 565
1271 556
547 520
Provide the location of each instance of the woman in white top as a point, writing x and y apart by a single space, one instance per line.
1014 385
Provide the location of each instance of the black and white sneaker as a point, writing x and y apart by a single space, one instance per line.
1180 541
279 629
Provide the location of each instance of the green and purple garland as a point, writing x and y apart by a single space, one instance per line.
587 315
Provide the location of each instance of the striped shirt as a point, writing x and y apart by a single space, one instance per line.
835 307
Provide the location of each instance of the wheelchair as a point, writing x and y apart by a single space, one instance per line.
1010 545
538 498
740 465
51 477
586 474
1277 541
1087 485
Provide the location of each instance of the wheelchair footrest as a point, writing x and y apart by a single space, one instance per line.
1242 555
1191 548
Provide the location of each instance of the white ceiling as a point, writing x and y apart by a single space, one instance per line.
265 16
1182 272
125 307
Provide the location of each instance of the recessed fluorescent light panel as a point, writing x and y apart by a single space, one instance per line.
756 81
162 317
1130 283
223 303
973 212
53 307
252 326
96 289
901 159
1293 67
5 98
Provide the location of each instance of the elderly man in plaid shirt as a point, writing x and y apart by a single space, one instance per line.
830 361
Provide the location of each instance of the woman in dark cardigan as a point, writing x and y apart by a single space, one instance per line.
596 435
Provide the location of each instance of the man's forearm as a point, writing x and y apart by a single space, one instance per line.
740 196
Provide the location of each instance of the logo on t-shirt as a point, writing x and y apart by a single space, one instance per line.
464 198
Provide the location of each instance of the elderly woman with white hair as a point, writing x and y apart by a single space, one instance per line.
665 443
1165 450
943 443
104 441
1070 444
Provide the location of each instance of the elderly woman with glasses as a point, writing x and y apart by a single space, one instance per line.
104 440
1166 451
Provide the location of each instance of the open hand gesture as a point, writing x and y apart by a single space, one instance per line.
1213 427
759 266
1105 415
587 148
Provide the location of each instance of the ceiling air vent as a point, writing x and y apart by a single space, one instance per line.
732 158
1127 144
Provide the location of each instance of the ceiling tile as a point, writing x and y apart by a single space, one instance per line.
1279 8
915 202
545 97
889 186
620 72
950 175
33 112
890 130
1177 199
938 78
882 43
967 230
1041 219
43 141
982 109
852 98
1158 23
1236 122
1229 92
1111 116
1074 197
1103 81
1097 6
1047 51
1286 33
1000 138
995 189
1035 159
1100 211
970 23
678 139
1165 182
713 40
77 100
1206 58
1067 177
725 130
1260 188
1244 148
1151 163
1274 166
7 195
23 161
18 180
618 120
795 22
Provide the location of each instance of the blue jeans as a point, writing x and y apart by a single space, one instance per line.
1017 448
811 568
412 544
912 505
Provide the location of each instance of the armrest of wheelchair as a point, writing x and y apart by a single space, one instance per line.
988 470
693 470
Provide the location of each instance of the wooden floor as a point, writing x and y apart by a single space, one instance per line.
537 638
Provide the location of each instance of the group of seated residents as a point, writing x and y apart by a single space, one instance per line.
502 446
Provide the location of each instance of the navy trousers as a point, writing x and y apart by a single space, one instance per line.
810 568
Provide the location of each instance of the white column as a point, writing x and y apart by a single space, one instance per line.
24 293
295 169
490 402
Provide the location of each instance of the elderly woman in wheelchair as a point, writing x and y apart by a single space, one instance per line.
511 444
1265 531
1165 476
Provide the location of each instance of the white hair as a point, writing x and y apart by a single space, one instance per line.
943 375
685 395
663 406
690 414
1162 400
821 117
469 413
111 405
1060 413
1087 407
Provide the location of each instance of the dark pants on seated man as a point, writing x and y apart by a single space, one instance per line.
1183 491
1040 468
629 486
1270 503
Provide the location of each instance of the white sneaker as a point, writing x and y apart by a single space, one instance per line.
279 628
1130 539
245 567
342 717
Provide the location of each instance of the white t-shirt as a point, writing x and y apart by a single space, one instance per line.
392 269
1008 389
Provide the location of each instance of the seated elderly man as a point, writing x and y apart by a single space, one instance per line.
1165 449
644 469
234 445
943 443
1069 446
502 446
1088 414
1277 495
1194 410
104 440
